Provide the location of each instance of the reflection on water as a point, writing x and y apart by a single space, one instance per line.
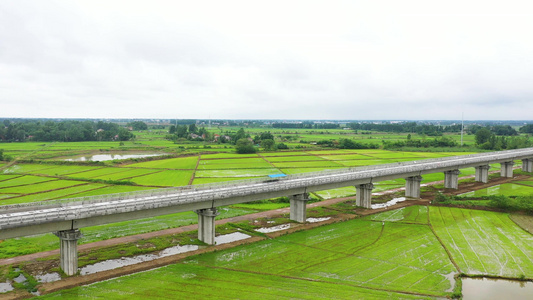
273 228
126 261
389 203
487 289
5 287
105 157
316 220
48 277
232 237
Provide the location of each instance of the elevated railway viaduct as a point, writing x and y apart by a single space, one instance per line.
66 217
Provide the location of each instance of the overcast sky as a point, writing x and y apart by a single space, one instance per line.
267 59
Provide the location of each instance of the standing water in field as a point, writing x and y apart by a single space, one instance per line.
5 287
105 157
487 289
388 203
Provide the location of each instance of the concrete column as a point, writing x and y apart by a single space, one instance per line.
507 169
68 251
206 225
527 165
363 195
451 179
412 186
482 173
298 209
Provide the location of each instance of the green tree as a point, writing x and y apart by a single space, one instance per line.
266 136
482 136
282 146
268 144
193 128
526 128
138 125
245 146
172 129
239 135
124 135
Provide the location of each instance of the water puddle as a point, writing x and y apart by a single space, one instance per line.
48 277
116 263
388 203
315 220
488 289
127 261
273 228
232 237
5 287
177 250
105 157
451 278
20 279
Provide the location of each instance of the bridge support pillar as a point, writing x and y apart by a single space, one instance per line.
482 173
412 186
507 169
451 179
206 224
363 195
68 251
298 209
527 165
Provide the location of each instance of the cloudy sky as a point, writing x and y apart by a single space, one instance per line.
286 59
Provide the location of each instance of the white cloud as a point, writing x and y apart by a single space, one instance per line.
275 59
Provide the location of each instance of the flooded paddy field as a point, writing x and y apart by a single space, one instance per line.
402 254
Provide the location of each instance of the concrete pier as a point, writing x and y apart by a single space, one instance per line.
206 225
68 251
507 169
298 209
527 165
412 186
482 173
363 195
451 179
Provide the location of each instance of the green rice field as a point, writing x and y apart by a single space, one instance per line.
398 254
191 169
483 242
506 189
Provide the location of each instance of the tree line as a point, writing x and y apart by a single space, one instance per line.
306 125
407 127
63 131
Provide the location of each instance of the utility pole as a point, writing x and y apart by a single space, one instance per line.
462 126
